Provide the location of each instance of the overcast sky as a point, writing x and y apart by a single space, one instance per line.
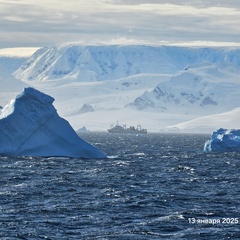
45 22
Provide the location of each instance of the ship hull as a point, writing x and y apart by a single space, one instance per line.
127 131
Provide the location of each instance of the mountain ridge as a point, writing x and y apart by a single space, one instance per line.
111 62
210 86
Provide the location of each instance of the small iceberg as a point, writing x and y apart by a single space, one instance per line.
224 140
83 130
30 126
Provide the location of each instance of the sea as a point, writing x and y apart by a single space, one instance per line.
151 186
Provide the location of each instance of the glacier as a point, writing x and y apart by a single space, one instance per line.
224 140
31 126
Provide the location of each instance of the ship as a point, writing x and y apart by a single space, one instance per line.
123 129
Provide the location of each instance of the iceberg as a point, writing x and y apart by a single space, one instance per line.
31 126
224 140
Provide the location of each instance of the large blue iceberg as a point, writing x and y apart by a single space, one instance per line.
30 126
224 140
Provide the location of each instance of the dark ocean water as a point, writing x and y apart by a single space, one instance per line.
151 187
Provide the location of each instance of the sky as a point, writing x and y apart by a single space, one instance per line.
32 23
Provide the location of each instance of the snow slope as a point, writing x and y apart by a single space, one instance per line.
208 124
101 95
30 126
94 63
204 88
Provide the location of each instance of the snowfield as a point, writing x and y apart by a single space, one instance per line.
164 88
205 87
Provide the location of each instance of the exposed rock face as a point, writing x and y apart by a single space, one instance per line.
30 126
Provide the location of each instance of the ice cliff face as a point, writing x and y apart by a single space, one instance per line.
224 140
94 63
30 126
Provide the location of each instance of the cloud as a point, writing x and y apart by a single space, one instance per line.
37 23
15 19
195 3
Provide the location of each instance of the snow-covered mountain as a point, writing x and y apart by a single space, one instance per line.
206 87
164 85
210 123
94 63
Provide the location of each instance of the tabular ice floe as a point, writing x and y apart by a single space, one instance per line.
30 126
224 140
